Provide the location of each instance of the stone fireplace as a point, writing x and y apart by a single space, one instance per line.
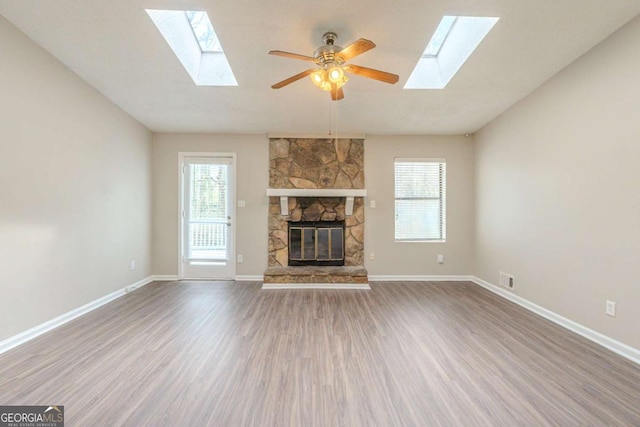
316 212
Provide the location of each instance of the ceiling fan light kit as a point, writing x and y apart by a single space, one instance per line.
331 59
325 79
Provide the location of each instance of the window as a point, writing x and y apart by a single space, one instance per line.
420 189
203 30
453 41
443 30
193 40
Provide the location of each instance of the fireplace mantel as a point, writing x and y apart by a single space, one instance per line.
285 193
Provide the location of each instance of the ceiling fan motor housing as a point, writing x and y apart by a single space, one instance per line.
326 54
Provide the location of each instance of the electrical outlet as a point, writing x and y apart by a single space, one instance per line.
133 265
440 259
240 258
372 204
610 308
372 256
242 203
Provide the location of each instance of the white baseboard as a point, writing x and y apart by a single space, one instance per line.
398 278
164 277
47 326
249 278
238 278
315 286
622 349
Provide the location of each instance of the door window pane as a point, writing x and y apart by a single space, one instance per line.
208 216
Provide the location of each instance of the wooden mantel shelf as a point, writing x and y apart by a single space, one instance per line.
285 193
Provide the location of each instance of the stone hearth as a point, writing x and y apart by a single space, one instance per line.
316 164
347 275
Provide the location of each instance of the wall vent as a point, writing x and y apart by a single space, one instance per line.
507 280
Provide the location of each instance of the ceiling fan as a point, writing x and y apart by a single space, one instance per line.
331 60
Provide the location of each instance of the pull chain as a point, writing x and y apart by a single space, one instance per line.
333 119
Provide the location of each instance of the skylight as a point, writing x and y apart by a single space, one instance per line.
203 30
193 40
452 43
436 42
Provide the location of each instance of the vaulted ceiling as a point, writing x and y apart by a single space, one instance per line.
116 48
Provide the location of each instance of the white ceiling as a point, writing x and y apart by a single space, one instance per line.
115 47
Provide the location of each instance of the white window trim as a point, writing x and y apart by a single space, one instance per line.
443 196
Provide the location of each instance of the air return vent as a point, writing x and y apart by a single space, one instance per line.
507 280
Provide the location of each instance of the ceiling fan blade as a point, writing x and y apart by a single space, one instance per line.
292 55
372 74
336 92
293 78
356 48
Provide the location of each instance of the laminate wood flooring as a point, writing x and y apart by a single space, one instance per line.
402 354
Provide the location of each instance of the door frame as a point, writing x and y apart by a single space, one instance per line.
232 206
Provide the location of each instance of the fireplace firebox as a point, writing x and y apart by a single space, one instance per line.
319 243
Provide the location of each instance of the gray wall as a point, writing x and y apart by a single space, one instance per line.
557 193
75 184
252 181
404 258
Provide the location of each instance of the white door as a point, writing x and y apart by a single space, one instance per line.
207 250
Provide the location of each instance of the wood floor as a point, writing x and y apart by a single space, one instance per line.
402 354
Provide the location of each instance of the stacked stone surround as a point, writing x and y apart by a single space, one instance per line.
311 164
316 163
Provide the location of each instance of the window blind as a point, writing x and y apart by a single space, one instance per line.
420 208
